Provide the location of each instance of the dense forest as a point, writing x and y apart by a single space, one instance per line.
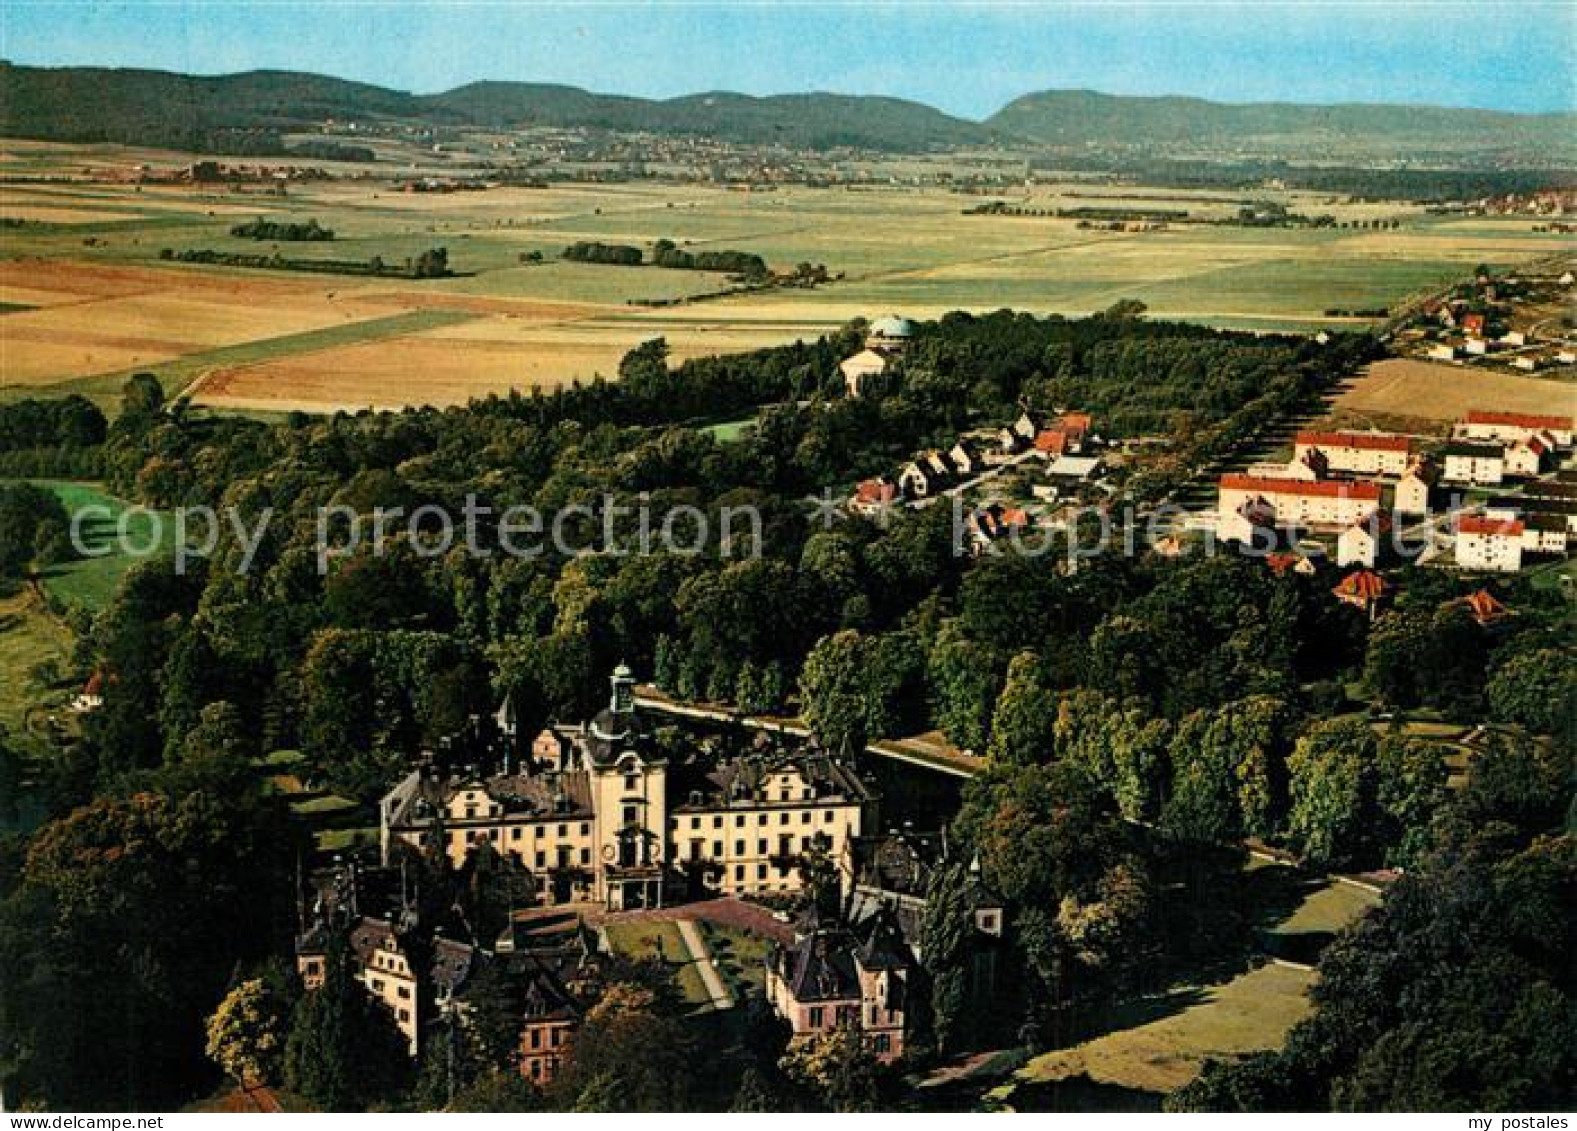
1139 715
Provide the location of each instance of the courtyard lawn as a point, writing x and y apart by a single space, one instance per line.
660 939
740 956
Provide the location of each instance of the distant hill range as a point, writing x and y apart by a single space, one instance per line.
1084 117
250 112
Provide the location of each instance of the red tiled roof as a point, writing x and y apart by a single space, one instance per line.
875 491
1076 421
1363 492
1363 441
1052 440
1519 420
1479 524
1281 562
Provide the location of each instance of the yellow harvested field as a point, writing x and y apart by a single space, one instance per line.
109 319
1251 1013
452 364
1402 388
79 312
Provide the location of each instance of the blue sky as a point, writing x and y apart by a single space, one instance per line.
965 58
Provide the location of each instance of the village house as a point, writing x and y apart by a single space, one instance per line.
612 821
1291 502
871 496
1479 464
833 975
964 460
919 480
991 523
1489 543
1357 453
1016 436
1509 427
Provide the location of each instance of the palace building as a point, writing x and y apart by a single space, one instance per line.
597 811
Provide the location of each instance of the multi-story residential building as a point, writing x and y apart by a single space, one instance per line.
1248 499
1357 453
597 812
1489 543
1415 488
1482 464
1509 427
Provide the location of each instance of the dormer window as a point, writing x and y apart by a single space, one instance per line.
632 783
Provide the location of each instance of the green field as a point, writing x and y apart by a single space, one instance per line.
90 581
1170 1037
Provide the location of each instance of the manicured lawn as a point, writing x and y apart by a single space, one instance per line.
740 955
1329 909
1170 1038
660 939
